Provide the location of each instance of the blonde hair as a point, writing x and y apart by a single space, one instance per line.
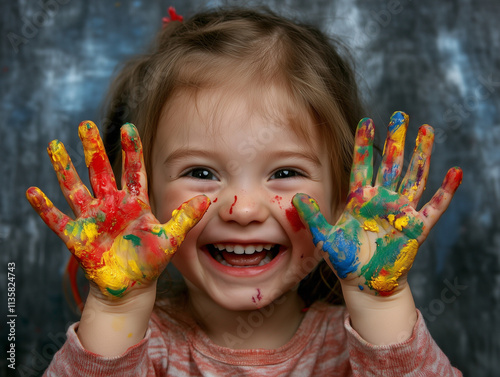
241 44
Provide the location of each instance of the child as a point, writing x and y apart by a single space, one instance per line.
244 110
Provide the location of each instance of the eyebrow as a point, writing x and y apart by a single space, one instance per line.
181 153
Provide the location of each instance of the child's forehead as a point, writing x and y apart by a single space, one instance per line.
219 107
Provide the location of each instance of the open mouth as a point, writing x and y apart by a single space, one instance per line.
243 255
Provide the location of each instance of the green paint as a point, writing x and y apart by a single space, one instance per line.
385 256
101 216
132 237
414 228
377 206
116 292
79 226
160 233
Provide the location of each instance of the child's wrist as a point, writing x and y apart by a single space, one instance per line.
381 319
134 298
108 327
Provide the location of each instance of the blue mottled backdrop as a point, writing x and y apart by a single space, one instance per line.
438 61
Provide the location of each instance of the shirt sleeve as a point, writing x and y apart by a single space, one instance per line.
417 356
74 360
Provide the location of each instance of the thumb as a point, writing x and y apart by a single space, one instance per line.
310 215
183 220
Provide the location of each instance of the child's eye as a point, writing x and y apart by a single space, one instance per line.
201 173
285 173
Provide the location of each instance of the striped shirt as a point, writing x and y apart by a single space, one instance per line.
325 344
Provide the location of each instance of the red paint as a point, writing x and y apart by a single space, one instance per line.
385 294
258 297
277 199
215 200
294 219
384 272
232 205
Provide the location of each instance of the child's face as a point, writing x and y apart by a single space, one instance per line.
250 166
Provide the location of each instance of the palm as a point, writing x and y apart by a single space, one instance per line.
375 240
115 237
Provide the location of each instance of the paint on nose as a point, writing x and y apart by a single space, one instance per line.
232 205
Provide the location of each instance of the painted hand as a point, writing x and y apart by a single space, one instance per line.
376 239
115 237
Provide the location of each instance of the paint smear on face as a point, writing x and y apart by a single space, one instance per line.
294 219
232 205
258 297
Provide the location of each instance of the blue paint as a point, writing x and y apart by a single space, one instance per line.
342 250
397 119
390 175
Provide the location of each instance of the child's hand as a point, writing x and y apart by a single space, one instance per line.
377 236
115 237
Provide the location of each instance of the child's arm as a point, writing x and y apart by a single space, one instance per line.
374 243
118 242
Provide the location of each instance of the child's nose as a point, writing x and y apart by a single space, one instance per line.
243 208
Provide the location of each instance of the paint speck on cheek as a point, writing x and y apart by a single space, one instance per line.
215 200
232 205
293 218
277 199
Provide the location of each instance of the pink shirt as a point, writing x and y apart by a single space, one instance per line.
325 344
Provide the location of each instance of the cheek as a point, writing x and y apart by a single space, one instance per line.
164 202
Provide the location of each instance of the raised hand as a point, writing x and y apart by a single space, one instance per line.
115 237
375 241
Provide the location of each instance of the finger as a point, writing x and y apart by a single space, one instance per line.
72 187
311 216
55 219
413 184
341 246
134 173
392 159
183 220
101 174
362 165
433 210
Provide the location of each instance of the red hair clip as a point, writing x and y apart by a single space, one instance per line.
173 16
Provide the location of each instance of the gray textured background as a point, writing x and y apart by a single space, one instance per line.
438 61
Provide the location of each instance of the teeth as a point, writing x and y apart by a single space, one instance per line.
239 249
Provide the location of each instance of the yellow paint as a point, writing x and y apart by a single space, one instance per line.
58 153
410 193
129 335
118 267
47 201
398 137
118 323
401 266
86 233
371 225
398 223
88 130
